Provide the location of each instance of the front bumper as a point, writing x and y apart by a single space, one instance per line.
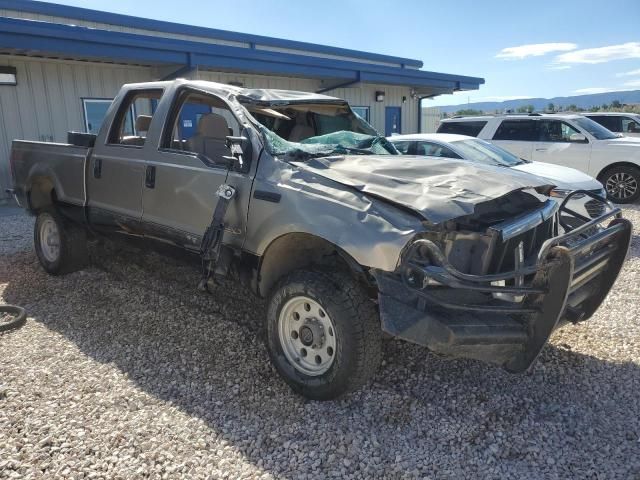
431 303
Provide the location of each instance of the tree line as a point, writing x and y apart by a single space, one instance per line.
614 106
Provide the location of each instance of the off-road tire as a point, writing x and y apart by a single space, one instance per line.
73 252
358 334
633 172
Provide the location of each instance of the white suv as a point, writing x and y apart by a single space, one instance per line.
569 140
627 124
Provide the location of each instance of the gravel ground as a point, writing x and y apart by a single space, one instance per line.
124 371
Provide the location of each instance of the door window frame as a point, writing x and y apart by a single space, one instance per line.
438 145
630 120
575 128
536 136
172 117
116 119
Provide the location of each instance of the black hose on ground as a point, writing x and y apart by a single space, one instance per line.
11 317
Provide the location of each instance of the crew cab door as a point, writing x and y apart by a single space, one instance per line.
562 144
187 166
116 170
517 136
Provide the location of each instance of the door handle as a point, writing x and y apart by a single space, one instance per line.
150 176
97 167
541 149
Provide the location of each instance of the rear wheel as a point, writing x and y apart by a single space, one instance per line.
622 184
323 334
60 245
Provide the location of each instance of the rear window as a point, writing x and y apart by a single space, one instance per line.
609 122
523 130
471 129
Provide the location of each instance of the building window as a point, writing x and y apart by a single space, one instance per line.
95 109
362 112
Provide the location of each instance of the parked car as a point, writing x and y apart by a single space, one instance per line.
563 139
449 145
626 124
299 198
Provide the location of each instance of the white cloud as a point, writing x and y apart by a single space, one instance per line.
559 67
501 98
633 84
534 50
590 90
601 54
632 73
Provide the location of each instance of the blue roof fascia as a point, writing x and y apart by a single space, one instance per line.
177 28
68 47
212 55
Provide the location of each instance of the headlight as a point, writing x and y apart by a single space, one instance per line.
562 193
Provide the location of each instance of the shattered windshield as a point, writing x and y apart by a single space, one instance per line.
336 143
306 130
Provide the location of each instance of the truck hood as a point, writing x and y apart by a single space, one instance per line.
439 189
562 177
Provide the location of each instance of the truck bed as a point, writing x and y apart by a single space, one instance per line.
59 163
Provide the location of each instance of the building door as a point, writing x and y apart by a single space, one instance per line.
392 120
189 117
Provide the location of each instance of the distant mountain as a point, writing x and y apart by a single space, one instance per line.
582 101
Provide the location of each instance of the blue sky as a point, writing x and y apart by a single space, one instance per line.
538 48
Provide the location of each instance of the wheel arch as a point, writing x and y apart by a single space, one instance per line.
293 251
41 192
614 165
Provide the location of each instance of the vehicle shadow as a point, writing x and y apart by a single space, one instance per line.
204 355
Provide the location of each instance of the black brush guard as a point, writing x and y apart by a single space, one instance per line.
431 303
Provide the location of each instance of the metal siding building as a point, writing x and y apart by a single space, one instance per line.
69 59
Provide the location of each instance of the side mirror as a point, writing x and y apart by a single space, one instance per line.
240 147
577 137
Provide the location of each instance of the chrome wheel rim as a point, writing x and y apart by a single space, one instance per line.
307 336
49 240
621 185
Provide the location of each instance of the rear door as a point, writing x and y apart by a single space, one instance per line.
556 145
184 171
116 170
517 135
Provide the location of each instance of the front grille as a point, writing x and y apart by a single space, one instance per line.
504 253
594 208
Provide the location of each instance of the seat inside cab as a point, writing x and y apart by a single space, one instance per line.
141 128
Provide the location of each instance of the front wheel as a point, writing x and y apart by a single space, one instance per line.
323 334
622 184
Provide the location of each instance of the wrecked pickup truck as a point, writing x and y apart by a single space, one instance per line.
299 198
